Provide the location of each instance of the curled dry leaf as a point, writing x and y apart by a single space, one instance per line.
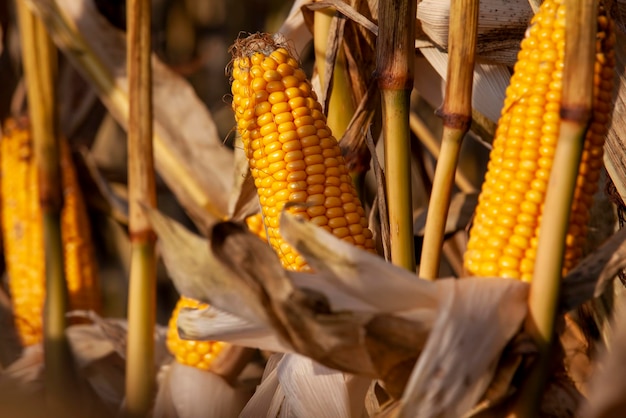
198 274
605 397
187 392
477 319
591 276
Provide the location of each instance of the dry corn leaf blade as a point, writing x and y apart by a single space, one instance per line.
345 9
363 275
244 200
313 390
198 274
294 28
615 146
301 317
501 27
605 397
99 362
188 392
490 82
212 324
591 276
477 316
268 393
460 214
186 128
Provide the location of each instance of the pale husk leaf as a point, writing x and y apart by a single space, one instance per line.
211 324
244 200
188 392
478 317
490 82
501 27
198 274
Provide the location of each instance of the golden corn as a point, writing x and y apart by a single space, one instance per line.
256 226
292 154
22 231
199 354
503 239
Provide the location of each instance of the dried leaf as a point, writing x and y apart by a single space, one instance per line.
213 324
188 392
490 82
268 396
198 274
500 30
461 211
591 276
189 154
10 346
607 386
312 390
244 200
477 315
615 146
356 271
347 11
294 28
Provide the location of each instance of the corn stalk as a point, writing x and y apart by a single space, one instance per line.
140 371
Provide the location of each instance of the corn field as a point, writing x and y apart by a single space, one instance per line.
342 208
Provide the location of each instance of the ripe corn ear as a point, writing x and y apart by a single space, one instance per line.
292 154
199 354
256 225
503 238
22 231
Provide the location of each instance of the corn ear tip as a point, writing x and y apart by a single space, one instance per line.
248 43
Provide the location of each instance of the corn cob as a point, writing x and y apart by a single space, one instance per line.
292 154
199 354
503 238
22 231
256 226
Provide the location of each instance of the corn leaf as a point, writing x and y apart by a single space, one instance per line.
182 387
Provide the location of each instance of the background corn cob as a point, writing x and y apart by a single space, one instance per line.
503 239
256 226
23 235
199 354
292 154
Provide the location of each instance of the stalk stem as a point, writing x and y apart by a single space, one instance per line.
395 58
140 370
576 108
457 116
39 57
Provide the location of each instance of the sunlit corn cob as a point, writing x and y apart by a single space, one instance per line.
22 230
256 226
503 239
292 154
199 354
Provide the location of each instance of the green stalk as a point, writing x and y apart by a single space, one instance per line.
39 57
395 57
140 369
576 107
457 116
430 142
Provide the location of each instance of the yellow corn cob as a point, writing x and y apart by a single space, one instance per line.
22 231
256 226
199 354
503 239
292 154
